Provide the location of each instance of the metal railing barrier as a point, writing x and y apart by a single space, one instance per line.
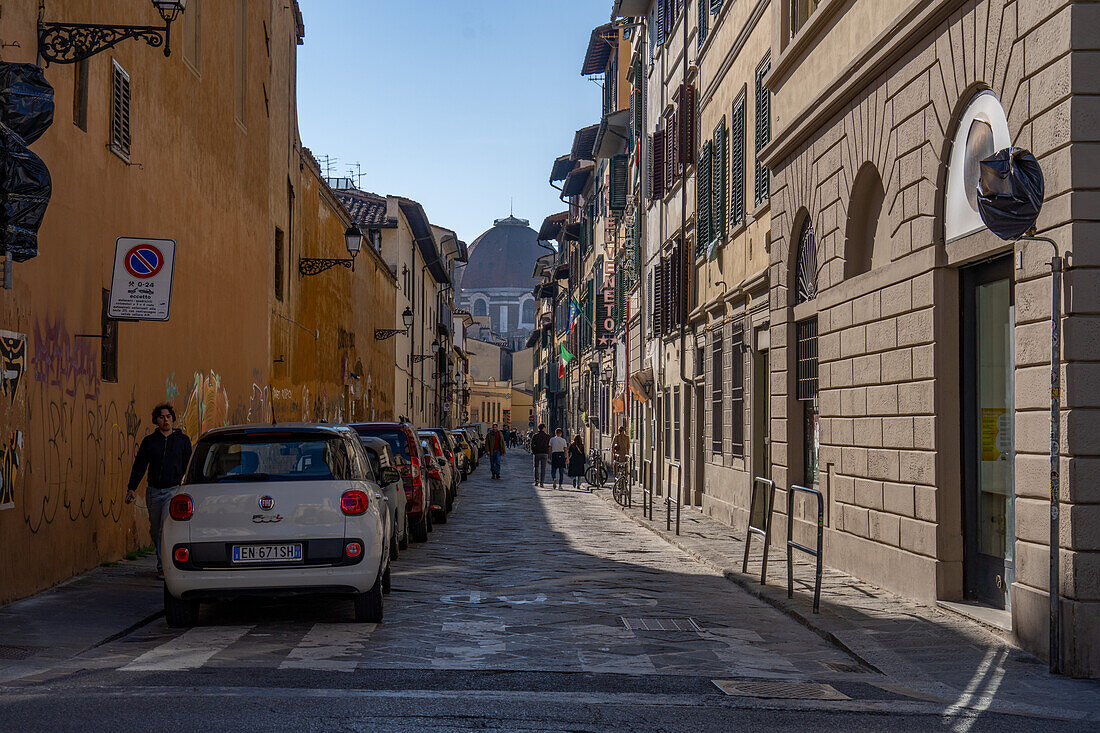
764 532
669 500
792 545
647 492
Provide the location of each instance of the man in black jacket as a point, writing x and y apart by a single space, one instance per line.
164 453
540 449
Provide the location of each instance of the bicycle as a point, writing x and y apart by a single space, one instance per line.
621 490
596 475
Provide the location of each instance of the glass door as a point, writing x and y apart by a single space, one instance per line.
988 383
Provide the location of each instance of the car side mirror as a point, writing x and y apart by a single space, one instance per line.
390 475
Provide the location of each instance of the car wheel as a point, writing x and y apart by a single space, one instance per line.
386 584
428 518
420 529
368 606
439 516
403 543
180 614
393 544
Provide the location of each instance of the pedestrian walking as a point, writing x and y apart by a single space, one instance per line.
494 443
540 450
577 461
163 454
558 447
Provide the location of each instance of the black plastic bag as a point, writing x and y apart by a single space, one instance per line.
26 100
1010 192
25 189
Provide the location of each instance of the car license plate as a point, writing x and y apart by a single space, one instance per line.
267 553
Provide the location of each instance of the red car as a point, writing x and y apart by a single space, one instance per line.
413 465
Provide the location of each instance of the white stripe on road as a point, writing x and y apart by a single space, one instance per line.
190 650
324 642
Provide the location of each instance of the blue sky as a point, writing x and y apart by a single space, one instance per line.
459 104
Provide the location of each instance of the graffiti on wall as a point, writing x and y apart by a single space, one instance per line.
207 405
13 361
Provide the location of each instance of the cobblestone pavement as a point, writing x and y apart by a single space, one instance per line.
531 609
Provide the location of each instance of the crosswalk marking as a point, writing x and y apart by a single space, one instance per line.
320 648
190 650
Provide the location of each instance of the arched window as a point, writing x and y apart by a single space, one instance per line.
528 316
867 237
805 273
982 131
481 308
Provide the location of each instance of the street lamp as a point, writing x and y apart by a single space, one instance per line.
417 358
353 240
381 334
67 43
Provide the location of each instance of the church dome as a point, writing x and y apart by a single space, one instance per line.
503 257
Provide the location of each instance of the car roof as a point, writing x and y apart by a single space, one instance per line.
304 428
374 443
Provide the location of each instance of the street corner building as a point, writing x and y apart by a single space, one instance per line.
771 265
285 290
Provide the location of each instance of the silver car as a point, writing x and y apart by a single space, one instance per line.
276 510
384 465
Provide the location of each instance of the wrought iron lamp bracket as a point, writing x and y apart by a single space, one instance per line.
316 265
417 358
381 334
68 43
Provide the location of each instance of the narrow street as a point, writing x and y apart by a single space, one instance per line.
531 609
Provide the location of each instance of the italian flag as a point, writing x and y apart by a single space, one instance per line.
566 357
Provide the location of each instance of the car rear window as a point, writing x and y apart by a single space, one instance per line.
398 441
271 458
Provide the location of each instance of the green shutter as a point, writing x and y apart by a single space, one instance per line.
737 168
718 183
702 200
702 22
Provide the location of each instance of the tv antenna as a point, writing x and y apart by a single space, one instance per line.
327 161
355 170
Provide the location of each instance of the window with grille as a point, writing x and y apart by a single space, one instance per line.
279 257
120 111
737 391
716 392
108 354
806 392
763 131
737 163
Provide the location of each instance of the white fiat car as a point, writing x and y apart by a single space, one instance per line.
276 510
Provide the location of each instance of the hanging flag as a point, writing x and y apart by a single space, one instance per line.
574 309
566 357
561 370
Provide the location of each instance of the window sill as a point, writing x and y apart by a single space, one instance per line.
125 157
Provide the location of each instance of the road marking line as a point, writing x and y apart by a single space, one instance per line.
190 650
323 642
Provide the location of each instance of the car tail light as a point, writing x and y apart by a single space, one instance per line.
353 549
437 449
181 507
182 554
434 473
354 502
414 471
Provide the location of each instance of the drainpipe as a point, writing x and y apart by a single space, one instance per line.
683 244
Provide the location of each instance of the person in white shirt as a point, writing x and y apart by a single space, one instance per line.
557 458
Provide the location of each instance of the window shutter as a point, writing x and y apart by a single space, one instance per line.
763 131
737 168
618 174
702 198
658 296
661 22
657 164
120 111
670 152
702 22
718 183
686 112
715 5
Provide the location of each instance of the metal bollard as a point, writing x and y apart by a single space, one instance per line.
792 545
764 532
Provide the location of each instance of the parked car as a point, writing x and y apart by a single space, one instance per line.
453 455
413 464
439 472
384 464
276 510
463 442
479 431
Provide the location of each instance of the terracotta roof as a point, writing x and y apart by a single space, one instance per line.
562 166
577 180
368 210
603 41
551 226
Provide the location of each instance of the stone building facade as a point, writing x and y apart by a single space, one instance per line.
910 346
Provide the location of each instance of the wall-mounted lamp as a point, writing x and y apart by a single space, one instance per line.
67 43
417 358
381 334
353 239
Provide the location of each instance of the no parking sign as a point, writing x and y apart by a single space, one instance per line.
141 287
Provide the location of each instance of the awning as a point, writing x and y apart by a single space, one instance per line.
631 8
551 226
641 384
561 168
576 182
613 133
561 272
572 232
603 41
582 142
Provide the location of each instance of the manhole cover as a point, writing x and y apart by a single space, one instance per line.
18 652
783 690
661 624
844 667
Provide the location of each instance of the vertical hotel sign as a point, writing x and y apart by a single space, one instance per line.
606 327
